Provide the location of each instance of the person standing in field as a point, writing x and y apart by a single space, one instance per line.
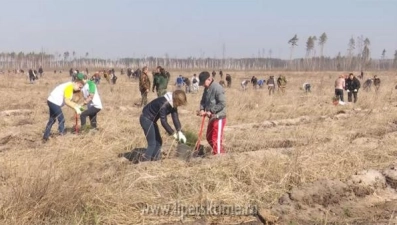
340 84
60 96
271 85
93 102
282 83
160 82
228 80
213 106
195 83
254 82
352 87
179 82
144 85
376 83
186 80
32 76
157 109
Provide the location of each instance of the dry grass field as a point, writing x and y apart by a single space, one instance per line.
296 156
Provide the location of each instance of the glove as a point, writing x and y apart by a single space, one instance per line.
347 90
77 109
355 90
180 137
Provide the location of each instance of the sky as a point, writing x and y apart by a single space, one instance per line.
194 28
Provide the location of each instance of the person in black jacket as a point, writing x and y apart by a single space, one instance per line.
352 87
157 109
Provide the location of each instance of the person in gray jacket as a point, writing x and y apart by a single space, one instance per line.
213 105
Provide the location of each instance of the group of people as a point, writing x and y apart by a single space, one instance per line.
63 94
271 83
212 106
351 84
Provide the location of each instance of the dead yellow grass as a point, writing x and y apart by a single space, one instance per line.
81 179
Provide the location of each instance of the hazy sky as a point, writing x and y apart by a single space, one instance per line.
182 28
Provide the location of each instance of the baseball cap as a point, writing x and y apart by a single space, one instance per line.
80 76
203 76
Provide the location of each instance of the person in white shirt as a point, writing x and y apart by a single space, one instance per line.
195 83
93 102
60 96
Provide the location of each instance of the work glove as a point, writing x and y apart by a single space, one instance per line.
180 137
347 90
77 109
355 90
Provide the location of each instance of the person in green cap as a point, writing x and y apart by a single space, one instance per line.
60 96
93 102
160 81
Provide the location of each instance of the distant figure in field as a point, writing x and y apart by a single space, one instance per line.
352 87
340 84
179 82
187 82
367 85
228 80
213 74
376 83
160 81
195 83
307 87
244 84
144 85
221 74
361 76
261 82
271 85
32 76
137 73
254 82
41 71
282 83
129 72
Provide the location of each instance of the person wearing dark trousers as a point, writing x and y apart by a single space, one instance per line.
352 87
93 102
340 84
157 109
60 96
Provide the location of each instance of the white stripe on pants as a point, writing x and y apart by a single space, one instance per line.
218 144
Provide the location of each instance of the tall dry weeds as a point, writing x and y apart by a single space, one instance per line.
81 179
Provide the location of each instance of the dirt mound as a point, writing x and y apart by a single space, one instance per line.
369 196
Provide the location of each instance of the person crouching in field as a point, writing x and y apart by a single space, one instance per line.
261 82
352 87
213 105
340 84
144 85
60 96
244 84
93 102
157 109
306 87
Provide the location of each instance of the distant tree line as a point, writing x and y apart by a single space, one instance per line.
357 57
